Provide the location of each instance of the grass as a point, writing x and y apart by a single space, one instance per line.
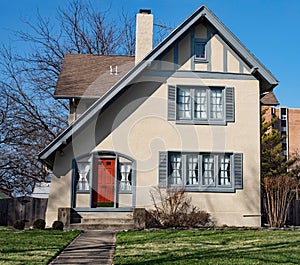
208 247
32 246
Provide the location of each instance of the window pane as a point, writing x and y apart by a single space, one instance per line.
208 170
125 174
83 172
175 169
184 103
200 50
200 104
192 169
224 170
216 104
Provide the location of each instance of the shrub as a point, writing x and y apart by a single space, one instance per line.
39 224
20 225
58 225
173 208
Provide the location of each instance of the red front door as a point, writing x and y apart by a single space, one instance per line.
103 195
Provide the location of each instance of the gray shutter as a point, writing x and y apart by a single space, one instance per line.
74 182
229 104
171 103
163 169
238 170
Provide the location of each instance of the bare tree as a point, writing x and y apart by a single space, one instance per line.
30 116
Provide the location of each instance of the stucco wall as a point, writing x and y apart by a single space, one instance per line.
136 125
147 131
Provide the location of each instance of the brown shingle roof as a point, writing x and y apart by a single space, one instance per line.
86 75
269 99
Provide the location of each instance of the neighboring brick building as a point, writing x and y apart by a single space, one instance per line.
289 126
288 123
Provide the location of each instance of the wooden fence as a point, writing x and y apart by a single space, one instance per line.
23 208
294 213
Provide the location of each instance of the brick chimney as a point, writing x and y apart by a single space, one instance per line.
144 34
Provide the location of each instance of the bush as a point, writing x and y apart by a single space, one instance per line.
39 224
173 208
20 225
58 225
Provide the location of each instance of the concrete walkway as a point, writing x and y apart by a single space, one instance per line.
90 247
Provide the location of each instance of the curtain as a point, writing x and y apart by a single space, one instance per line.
200 104
83 170
125 170
224 178
175 177
208 170
216 104
192 170
184 103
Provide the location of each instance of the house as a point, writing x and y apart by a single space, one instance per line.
41 190
187 114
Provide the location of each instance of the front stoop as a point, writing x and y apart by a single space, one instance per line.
112 221
104 224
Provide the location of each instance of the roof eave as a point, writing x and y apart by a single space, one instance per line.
241 50
133 73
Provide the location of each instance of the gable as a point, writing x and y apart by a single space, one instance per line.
220 57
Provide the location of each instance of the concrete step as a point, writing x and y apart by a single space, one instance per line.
107 221
98 226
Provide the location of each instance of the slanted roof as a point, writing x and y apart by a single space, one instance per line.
269 99
86 75
267 80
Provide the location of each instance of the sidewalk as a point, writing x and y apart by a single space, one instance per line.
90 247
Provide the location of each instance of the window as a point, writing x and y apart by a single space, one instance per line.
224 170
176 169
201 105
200 51
201 171
83 169
126 175
208 170
192 169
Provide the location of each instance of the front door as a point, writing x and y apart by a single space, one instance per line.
104 181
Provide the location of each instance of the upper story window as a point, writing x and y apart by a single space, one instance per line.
201 105
201 171
200 51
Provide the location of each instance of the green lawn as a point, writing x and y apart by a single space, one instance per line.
32 247
208 247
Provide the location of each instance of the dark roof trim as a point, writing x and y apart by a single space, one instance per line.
50 150
242 51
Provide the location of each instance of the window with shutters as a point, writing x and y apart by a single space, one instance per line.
201 105
219 172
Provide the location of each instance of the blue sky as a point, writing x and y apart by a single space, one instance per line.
270 29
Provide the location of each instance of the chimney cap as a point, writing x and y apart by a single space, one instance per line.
145 11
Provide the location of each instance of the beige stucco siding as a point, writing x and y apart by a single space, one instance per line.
147 131
200 31
184 53
217 57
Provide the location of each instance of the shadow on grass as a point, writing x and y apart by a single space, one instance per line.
213 248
